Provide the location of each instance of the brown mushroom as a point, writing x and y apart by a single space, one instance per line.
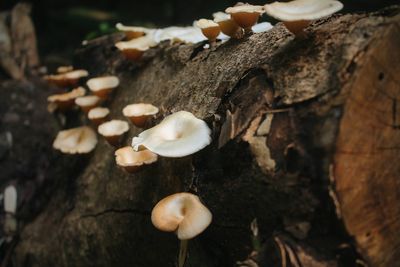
78 140
86 103
132 161
210 29
98 115
139 113
227 25
113 131
66 101
67 79
134 49
103 86
245 15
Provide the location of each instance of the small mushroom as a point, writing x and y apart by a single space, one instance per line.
132 161
10 199
103 86
227 25
132 32
297 15
86 103
138 114
245 15
188 35
134 49
64 69
98 115
113 131
210 29
66 79
78 140
182 213
178 135
65 101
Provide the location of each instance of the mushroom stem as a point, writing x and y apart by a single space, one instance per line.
182 253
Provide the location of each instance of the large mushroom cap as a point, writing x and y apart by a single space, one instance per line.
113 128
78 140
101 83
183 213
127 157
302 9
178 135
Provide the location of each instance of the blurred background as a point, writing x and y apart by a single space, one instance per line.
62 25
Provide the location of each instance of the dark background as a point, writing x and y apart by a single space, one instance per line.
62 24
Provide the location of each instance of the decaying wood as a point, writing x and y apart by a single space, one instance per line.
283 112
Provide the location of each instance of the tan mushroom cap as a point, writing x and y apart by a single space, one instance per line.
183 213
245 15
64 69
209 28
87 102
139 113
227 25
113 130
132 32
98 115
178 135
302 9
78 140
131 160
103 86
135 48
70 78
66 100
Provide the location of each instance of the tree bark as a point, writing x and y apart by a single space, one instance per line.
305 140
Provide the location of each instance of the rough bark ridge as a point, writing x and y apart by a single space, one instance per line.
287 114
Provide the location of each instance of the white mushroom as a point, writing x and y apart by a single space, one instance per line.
297 14
78 140
86 103
132 32
66 100
113 131
139 113
103 86
70 78
134 49
182 213
98 115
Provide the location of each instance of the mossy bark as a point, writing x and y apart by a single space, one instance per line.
305 140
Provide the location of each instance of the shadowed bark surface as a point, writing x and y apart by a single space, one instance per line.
282 111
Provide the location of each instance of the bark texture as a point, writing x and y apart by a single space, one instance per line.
305 140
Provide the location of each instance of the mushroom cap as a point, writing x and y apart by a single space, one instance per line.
71 75
10 199
302 9
101 83
140 109
125 28
98 113
262 27
113 128
89 100
183 213
142 43
64 69
77 92
206 23
78 140
126 157
178 135
221 16
245 8
189 34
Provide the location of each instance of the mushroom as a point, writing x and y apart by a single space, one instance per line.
178 135
227 25
184 214
138 114
134 49
132 32
103 86
113 131
10 224
98 115
78 140
210 29
189 35
64 69
245 15
86 103
66 79
133 161
296 15
66 101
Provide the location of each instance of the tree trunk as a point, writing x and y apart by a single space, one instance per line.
305 141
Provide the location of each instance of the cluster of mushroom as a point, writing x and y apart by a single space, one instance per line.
235 22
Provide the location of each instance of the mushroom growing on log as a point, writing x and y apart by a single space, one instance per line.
305 138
